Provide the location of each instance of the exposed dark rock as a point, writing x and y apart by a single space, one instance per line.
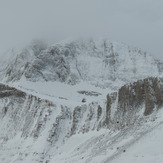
110 100
108 107
147 92
89 93
99 112
6 91
76 117
83 100
58 127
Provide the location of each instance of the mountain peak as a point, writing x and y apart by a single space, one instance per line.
72 61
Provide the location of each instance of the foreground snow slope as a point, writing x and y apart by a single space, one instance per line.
148 149
140 144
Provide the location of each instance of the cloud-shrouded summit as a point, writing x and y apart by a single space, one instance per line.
137 23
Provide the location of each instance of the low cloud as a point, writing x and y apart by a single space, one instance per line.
138 23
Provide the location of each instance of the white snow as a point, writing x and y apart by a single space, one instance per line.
142 144
148 149
62 93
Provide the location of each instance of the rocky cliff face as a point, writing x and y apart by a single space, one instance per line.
129 101
21 113
32 118
135 100
82 60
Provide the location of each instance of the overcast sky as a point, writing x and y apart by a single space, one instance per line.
134 22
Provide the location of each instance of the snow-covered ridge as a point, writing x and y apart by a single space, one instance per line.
99 62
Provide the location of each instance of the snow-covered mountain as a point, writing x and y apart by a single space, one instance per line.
97 61
77 101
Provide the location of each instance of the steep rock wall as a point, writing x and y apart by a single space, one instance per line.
135 100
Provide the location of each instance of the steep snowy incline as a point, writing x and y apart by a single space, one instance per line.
98 62
107 146
148 149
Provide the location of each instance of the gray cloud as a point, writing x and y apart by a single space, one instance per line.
138 23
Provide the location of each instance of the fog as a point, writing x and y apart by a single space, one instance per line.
135 22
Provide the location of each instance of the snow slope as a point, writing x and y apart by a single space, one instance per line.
146 150
64 94
129 145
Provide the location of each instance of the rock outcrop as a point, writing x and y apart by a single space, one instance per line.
140 98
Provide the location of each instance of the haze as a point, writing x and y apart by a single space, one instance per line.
134 22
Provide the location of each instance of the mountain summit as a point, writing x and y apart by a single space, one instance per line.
73 61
